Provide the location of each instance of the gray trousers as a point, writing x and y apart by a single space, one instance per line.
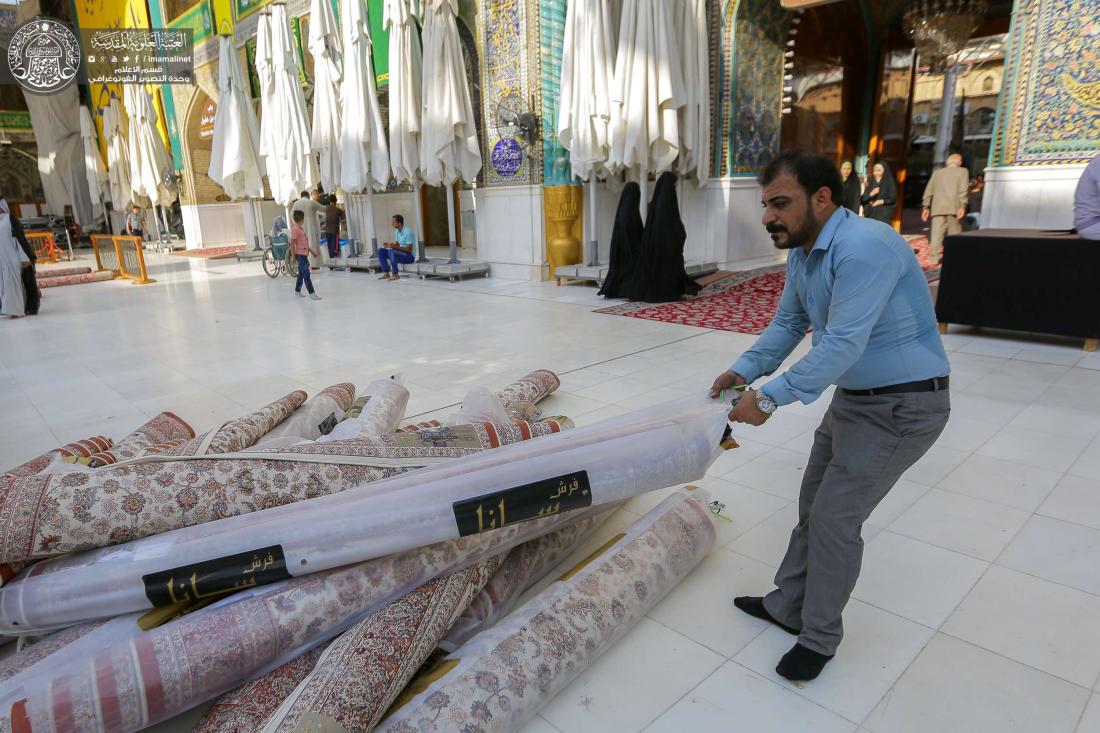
861 449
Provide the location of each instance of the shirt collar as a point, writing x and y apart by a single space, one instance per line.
825 238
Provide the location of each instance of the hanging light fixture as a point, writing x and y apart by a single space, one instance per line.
941 28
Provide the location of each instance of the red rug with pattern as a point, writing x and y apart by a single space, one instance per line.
743 302
211 253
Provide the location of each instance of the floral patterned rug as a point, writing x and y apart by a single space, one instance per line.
742 302
210 253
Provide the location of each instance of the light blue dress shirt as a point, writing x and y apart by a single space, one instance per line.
864 293
404 236
1086 201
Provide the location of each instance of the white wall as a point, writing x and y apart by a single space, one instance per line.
509 230
215 225
1030 197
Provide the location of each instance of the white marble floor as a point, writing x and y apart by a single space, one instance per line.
977 608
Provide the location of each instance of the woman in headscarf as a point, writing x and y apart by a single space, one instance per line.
14 264
659 275
881 194
852 187
626 239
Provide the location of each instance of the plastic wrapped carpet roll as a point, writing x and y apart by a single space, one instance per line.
601 464
80 449
524 566
316 417
53 514
245 709
159 673
380 416
162 428
365 668
62 272
87 277
501 677
43 648
243 432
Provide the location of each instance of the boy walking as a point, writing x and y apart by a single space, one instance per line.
302 251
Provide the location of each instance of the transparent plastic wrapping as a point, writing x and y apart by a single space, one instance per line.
601 464
501 677
524 567
380 416
317 416
478 405
135 682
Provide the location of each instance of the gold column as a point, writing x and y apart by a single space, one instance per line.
562 207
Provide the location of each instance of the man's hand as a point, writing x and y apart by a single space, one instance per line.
960 214
925 215
746 411
879 202
725 380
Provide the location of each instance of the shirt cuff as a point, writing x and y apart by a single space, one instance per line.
746 368
779 391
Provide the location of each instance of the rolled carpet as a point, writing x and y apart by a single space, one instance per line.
80 449
501 677
380 415
89 277
599 464
316 417
365 668
61 272
162 428
243 432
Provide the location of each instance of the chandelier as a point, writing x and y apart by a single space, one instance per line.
941 28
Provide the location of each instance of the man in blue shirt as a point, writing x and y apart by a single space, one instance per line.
398 252
856 282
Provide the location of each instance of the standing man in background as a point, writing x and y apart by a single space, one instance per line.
312 211
134 227
334 217
945 199
857 283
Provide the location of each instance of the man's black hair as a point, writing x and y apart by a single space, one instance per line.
299 216
812 172
305 194
400 219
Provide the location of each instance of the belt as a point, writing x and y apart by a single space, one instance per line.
936 384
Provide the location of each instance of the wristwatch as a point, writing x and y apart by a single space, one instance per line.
765 404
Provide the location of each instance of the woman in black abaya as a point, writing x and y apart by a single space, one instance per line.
880 194
626 239
659 276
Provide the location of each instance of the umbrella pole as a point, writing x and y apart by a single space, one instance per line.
590 220
156 223
164 214
451 224
257 223
370 217
419 220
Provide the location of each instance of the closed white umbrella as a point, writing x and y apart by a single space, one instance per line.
448 141
648 90
96 173
324 44
118 157
692 40
364 155
234 155
149 159
584 112
406 65
284 127
235 162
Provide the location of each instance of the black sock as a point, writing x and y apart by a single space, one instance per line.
754 606
801 664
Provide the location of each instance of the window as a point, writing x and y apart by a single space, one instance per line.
987 84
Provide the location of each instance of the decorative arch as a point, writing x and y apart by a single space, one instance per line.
197 187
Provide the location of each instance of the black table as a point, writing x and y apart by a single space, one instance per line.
1022 280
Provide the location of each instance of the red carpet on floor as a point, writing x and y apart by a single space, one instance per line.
743 302
210 253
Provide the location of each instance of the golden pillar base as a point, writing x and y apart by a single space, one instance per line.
562 207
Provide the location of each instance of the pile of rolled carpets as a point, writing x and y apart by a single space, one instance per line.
315 418
156 674
368 665
46 274
599 464
500 678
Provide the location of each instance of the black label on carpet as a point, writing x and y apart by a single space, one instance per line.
216 578
522 503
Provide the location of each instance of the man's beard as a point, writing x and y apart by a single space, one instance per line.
799 237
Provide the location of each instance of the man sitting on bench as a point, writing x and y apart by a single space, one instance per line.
399 252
